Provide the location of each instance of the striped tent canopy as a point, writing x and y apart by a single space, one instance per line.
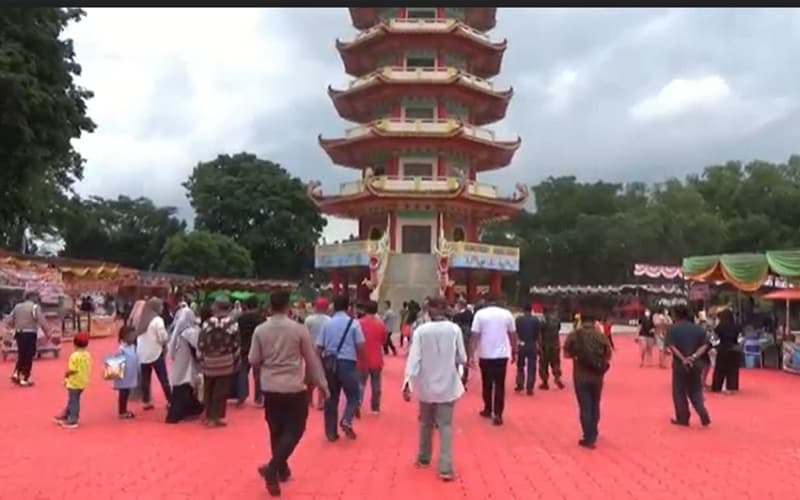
655 271
746 271
666 289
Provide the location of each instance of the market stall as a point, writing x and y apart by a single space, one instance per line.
18 277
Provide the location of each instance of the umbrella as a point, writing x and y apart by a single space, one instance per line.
789 295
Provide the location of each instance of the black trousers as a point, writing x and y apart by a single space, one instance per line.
286 415
160 367
687 386
389 345
184 404
493 382
215 395
588 395
526 369
26 351
122 400
726 370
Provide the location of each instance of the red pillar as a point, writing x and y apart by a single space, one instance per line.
471 287
336 284
392 231
495 283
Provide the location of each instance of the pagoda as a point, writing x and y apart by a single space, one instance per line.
420 98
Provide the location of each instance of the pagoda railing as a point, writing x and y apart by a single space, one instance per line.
462 255
482 256
434 126
443 73
415 183
427 24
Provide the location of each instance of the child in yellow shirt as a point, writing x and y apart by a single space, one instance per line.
76 379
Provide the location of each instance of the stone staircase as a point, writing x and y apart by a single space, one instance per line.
409 276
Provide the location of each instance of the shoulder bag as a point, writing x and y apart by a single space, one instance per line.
329 360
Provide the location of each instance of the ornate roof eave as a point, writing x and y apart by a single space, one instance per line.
382 78
366 17
384 28
374 132
460 191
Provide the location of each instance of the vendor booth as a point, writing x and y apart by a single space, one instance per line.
749 273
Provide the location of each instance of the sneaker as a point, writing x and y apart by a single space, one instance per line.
60 419
497 420
422 463
148 406
348 431
69 425
126 416
25 383
446 476
559 384
485 414
376 412
517 389
586 444
284 474
529 392
270 480
543 386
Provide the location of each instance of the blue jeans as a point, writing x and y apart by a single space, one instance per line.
374 377
72 411
526 369
344 380
588 395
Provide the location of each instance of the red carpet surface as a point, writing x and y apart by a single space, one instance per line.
752 449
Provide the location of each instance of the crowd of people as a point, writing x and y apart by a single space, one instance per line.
203 359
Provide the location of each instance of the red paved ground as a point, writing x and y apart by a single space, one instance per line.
752 449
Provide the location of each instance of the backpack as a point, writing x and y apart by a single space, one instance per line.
590 353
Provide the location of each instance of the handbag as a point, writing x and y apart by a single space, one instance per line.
114 367
329 360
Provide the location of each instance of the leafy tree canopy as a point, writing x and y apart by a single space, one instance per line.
203 254
128 231
596 232
259 205
43 110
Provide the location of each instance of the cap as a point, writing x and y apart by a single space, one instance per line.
82 337
321 303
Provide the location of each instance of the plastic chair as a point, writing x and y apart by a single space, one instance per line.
752 354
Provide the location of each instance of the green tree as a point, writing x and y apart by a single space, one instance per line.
43 110
203 254
259 205
129 231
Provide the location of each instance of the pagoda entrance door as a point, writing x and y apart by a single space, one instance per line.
416 239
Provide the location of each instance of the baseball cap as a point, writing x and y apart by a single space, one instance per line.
321 303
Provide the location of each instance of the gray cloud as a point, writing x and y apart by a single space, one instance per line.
577 74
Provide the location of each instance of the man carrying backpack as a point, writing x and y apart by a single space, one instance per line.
590 352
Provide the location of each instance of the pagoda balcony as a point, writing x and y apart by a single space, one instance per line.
344 254
423 184
389 83
466 255
423 25
364 53
421 75
482 18
359 143
421 127
463 255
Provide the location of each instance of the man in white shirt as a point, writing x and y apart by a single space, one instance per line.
432 368
494 341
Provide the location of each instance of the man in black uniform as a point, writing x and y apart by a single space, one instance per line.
687 342
463 318
528 330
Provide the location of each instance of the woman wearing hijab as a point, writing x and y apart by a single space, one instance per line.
729 354
151 340
184 371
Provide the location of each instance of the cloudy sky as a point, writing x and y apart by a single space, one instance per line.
618 94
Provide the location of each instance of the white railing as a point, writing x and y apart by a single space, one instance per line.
418 74
431 126
427 24
397 183
478 132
